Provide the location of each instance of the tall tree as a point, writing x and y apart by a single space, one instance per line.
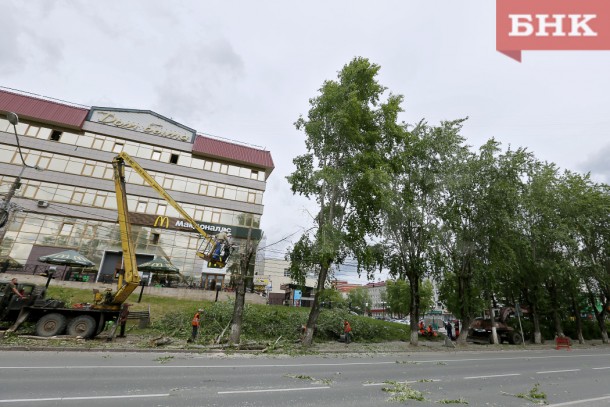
242 272
348 132
411 212
478 211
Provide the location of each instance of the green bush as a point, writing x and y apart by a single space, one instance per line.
269 322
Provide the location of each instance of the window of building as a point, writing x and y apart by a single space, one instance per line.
161 209
89 231
254 175
118 147
154 238
216 217
55 135
156 155
141 207
66 229
32 131
173 159
286 272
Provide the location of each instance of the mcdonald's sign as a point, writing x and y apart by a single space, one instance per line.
161 220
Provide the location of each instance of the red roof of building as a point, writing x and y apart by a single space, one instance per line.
233 152
33 108
65 115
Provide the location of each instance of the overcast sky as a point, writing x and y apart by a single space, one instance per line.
245 70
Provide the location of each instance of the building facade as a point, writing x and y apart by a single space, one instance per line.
69 201
276 274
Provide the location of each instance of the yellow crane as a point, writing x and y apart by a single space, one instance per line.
129 280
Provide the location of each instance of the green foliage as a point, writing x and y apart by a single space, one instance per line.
398 294
403 392
359 299
331 298
534 395
69 295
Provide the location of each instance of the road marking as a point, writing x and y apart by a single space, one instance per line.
129 396
559 371
407 382
272 390
304 364
492 376
571 403
600 368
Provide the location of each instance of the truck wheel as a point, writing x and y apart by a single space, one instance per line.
516 338
51 325
82 325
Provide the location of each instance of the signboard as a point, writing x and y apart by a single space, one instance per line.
142 121
297 294
167 222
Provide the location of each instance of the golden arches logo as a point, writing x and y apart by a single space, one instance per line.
161 220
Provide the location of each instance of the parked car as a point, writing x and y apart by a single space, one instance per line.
480 331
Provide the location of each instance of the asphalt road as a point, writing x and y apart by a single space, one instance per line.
580 377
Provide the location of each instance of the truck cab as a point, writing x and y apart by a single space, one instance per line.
11 304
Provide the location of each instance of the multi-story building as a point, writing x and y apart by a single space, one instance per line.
377 293
70 201
276 274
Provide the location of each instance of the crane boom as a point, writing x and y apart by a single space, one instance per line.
130 279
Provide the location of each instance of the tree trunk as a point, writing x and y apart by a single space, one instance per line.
536 321
576 312
552 289
465 315
238 311
600 317
415 302
315 308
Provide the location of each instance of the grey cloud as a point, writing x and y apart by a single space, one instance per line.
598 164
11 49
199 81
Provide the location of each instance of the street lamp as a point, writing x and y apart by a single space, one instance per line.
4 212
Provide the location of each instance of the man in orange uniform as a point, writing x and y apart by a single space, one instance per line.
347 329
195 324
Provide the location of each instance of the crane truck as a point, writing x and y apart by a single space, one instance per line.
52 317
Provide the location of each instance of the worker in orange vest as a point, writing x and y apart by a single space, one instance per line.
195 324
347 330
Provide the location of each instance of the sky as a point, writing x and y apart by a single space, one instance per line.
245 71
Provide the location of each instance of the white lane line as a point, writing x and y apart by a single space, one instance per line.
131 396
408 382
559 371
600 368
272 390
309 364
200 366
492 376
571 403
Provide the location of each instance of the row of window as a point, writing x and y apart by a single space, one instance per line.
95 169
92 238
135 149
44 191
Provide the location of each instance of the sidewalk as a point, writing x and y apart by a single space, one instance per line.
142 343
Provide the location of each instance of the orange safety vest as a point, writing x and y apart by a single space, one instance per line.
195 321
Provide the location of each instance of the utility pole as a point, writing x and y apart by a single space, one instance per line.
5 211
